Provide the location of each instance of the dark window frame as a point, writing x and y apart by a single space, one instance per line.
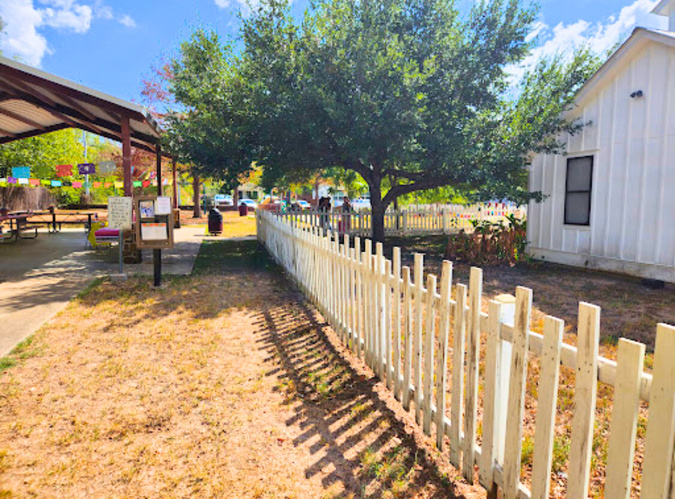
589 191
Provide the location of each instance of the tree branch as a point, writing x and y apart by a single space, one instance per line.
401 189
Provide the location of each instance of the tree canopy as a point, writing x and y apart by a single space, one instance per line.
409 94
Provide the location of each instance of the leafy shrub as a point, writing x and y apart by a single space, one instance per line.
491 243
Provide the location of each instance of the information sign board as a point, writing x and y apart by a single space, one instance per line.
119 212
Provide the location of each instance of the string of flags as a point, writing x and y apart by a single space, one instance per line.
21 176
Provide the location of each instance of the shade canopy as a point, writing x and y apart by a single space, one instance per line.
33 102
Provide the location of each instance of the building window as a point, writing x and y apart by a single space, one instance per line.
578 190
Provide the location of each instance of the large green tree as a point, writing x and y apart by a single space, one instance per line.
409 94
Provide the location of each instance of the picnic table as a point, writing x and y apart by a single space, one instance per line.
18 224
54 220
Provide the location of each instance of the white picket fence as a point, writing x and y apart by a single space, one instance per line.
402 329
441 219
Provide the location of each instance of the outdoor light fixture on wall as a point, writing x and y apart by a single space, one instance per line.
636 95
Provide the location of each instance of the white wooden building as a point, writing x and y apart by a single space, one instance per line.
611 199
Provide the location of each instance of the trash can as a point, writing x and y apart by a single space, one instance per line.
215 222
243 210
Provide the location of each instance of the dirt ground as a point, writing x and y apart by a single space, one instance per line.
630 309
225 383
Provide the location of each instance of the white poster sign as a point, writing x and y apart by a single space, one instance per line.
119 212
163 205
154 232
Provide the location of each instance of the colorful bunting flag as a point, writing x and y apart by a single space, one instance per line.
107 184
138 183
23 181
21 171
146 183
46 182
86 168
97 184
119 185
34 181
77 185
56 183
64 170
107 167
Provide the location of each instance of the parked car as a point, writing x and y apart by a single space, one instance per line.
249 202
303 204
222 200
361 204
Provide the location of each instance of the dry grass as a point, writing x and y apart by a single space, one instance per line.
222 384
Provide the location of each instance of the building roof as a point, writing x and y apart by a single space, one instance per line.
33 102
639 38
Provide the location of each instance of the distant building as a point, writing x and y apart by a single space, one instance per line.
610 201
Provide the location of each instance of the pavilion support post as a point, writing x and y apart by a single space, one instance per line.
126 156
195 185
175 183
160 187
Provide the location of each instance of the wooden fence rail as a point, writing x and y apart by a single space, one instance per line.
443 219
424 341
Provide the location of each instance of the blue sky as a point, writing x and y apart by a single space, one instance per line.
111 44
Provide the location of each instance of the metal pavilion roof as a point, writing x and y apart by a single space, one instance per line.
33 102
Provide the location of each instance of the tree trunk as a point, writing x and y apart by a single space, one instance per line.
196 212
377 209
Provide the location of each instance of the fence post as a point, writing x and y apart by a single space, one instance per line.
507 312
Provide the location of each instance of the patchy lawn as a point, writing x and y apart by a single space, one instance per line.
225 383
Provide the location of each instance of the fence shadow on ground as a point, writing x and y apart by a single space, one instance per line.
360 444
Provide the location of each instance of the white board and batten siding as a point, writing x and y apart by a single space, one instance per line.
632 143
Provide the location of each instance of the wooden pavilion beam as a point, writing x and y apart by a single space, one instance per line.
7 133
33 133
175 183
126 156
160 187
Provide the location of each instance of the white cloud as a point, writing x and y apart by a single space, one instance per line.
244 5
25 19
127 21
600 36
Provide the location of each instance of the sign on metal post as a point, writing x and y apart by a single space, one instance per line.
154 228
119 217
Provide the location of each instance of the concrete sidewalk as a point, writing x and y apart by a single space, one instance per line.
39 277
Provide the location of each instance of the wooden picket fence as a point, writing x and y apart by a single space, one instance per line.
408 331
419 220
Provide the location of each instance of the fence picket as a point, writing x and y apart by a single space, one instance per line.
490 394
358 266
471 390
585 390
516 406
386 325
542 455
419 291
442 367
408 330
457 395
397 322
660 438
429 345
622 435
